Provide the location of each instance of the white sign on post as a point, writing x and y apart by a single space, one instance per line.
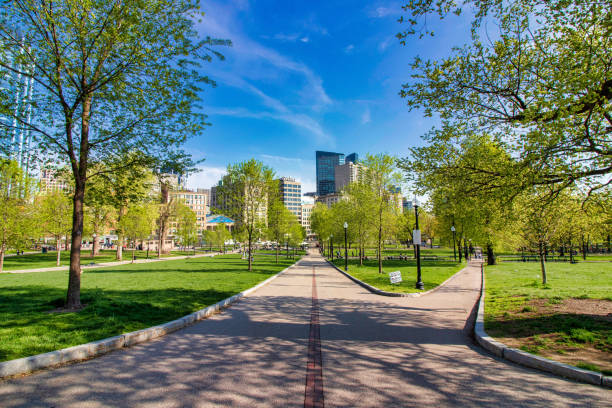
416 237
395 277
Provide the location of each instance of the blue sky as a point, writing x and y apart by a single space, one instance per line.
306 76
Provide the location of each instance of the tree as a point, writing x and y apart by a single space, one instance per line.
382 177
16 223
279 220
244 192
186 225
459 196
296 233
99 212
220 235
539 222
109 77
541 87
124 187
53 211
138 223
173 163
360 212
320 223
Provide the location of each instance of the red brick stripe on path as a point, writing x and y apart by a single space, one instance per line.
313 397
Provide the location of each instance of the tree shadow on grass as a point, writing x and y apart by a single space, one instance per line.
198 265
32 329
555 323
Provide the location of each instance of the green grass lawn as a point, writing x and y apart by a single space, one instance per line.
40 260
541 319
433 273
118 299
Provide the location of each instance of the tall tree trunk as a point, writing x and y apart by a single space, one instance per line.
542 263
250 249
360 255
58 245
73 298
491 260
119 253
2 250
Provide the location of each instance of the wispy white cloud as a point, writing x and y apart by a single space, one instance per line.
261 70
305 122
383 45
349 48
283 158
256 61
366 116
206 178
384 11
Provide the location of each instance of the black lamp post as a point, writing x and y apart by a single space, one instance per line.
331 243
465 249
454 239
419 284
345 248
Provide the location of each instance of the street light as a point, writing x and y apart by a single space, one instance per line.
331 243
454 250
465 249
345 248
417 242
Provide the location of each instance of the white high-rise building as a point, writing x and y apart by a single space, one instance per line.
291 195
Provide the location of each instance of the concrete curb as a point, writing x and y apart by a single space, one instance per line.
87 351
528 359
377 291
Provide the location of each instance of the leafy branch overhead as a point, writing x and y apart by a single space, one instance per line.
540 85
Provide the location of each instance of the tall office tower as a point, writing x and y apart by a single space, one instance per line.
346 173
353 158
305 218
326 162
291 194
197 201
16 87
51 181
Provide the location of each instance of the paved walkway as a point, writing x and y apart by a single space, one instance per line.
374 352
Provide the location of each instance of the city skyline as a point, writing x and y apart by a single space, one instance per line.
297 80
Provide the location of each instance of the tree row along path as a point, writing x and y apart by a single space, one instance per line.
312 338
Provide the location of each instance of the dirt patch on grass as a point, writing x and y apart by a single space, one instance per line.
598 308
571 331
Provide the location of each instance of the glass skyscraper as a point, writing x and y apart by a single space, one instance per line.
326 161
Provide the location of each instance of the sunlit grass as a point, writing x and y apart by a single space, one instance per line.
117 299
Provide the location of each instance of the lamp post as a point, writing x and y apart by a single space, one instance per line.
345 248
454 250
331 243
417 243
465 249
